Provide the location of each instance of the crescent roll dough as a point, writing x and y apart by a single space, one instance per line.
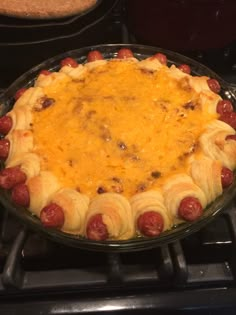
179 187
21 118
29 164
94 64
41 188
150 201
47 80
75 206
30 98
21 141
116 214
177 73
150 64
209 101
199 84
206 173
75 73
214 144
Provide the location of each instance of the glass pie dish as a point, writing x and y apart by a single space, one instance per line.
138 243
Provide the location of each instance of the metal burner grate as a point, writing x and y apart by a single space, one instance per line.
204 259
187 273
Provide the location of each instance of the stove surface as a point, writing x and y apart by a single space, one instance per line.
195 273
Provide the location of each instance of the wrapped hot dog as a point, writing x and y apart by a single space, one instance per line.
183 198
109 213
21 142
21 118
41 188
150 214
5 124
74 73
54 78
206 173
216 144
29 163
30 98
74 206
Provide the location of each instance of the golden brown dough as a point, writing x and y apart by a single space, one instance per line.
75 206
41 188
21 118
21 142
54 78
199 84
31 98
29 164
75 73
209 101
94 64
206 173
150 201
116 214
214 144
150 64
178 187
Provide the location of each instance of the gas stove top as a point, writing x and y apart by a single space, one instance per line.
196 275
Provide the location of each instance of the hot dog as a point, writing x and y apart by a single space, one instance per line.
4 149
184 198
231 137
114 212
9 177
161 57
227 177
150 223
190 209
94 55
69 62
185 68
20 195
52 216
19 93
75 206
5 124
96 230
229 118
214 85
124 53
150 214
224 106
45 72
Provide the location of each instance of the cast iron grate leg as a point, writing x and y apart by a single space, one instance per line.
180 266
13 274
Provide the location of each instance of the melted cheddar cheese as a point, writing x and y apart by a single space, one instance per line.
120 128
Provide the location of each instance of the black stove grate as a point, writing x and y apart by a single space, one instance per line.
197 272
202 260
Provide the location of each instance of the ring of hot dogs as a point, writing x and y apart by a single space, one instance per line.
112 149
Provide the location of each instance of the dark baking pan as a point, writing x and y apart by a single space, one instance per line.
21 48
15 30
139 243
